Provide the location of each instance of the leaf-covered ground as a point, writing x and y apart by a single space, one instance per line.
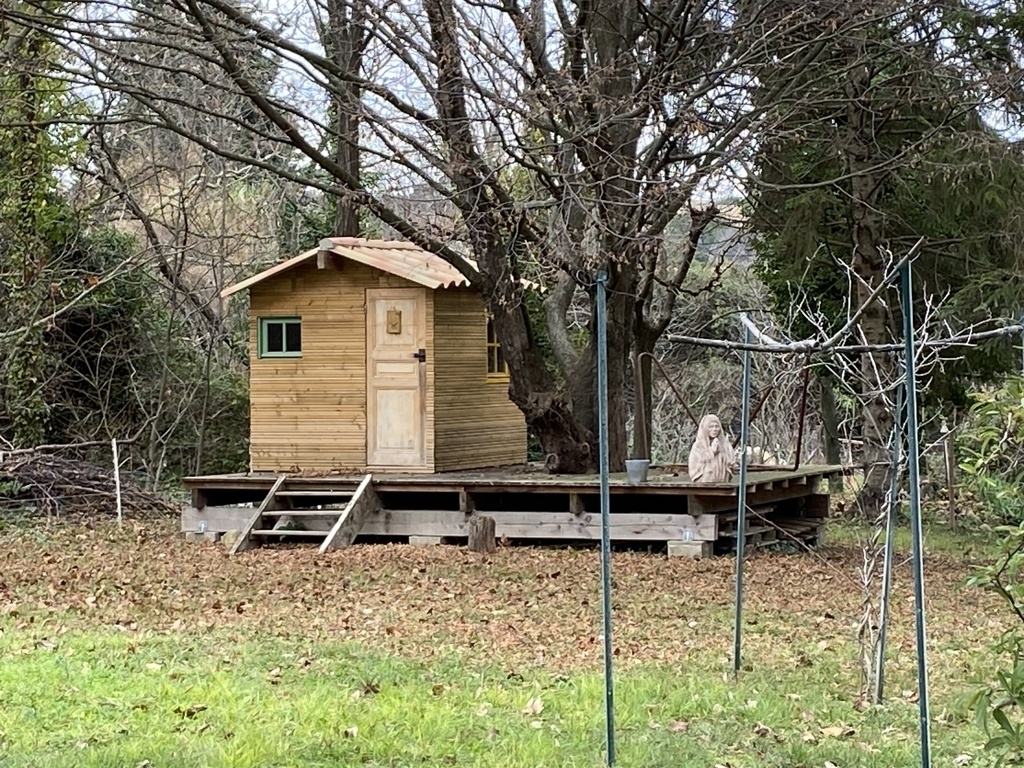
446 615
526 606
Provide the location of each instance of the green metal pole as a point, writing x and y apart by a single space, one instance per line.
913 471
890 525
606 548
741 504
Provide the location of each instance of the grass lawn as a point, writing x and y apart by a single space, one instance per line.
132 648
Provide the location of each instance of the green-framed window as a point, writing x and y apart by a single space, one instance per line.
280 337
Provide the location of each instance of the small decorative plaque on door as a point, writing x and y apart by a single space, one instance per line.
394 321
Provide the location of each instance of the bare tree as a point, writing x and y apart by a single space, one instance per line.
344 40
569 136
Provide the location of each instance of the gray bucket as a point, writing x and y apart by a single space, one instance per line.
636 470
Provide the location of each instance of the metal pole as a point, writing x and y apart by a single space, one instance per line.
890 525
117 478
741 504
913 471
606 549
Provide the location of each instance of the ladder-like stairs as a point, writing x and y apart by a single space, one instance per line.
299 516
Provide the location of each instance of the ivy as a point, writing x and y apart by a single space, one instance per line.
31 234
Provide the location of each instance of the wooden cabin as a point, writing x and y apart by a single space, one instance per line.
373 355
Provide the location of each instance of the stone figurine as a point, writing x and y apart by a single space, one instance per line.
712 459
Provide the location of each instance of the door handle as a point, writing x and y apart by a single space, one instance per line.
421 355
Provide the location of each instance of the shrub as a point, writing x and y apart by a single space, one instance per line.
997 704
991 447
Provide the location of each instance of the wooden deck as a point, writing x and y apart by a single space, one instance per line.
527 503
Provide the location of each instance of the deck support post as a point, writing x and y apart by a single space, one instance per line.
425 541
695 550
576 505
481 535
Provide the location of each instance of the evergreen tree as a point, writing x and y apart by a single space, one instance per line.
892 147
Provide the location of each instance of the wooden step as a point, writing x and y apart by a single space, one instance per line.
291 532
331 494
751 512
798 531
751 530
302 513
799 524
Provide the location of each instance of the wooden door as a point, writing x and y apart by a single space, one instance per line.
396 388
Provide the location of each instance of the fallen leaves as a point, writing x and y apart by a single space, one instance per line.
763 730
522 610
525 606
190 711
838 732
534 706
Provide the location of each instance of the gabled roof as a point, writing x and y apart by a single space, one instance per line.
396 257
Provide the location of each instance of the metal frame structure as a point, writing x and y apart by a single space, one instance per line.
908 395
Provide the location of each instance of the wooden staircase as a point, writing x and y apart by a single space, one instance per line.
330 518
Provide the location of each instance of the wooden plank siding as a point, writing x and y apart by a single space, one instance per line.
309 412
476 424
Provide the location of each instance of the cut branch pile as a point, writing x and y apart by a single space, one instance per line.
69 488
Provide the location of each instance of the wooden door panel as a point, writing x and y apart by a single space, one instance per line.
396 379
397 411
401 369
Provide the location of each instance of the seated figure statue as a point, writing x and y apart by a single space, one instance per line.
712 458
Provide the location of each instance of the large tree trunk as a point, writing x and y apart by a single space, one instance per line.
876 368
609 159
345 41
582 383
566 440
29 160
